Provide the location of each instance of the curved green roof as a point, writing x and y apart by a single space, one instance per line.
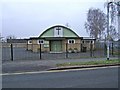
67 32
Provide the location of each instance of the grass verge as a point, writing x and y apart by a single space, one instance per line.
100 62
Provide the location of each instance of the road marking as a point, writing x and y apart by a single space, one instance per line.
53 71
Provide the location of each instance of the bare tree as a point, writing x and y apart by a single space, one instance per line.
114 10
96 23
114 13
113 7
113 34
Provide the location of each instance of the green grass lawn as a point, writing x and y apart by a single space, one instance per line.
100 62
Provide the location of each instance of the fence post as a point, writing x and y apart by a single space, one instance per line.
105 49
81 47
91 49
66 50
40 51
27 45
11 52
112 48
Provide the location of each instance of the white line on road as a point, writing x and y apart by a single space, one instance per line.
36 72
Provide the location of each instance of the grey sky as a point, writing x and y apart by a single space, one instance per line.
26 18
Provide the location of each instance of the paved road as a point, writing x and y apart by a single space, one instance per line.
38 65
95 78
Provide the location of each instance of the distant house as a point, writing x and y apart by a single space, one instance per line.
87 42
57 39
16 41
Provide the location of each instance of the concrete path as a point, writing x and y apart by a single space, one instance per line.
38 65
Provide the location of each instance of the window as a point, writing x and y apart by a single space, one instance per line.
87 41
40 41
29 41
71 41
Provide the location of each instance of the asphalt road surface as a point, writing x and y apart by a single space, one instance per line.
93 78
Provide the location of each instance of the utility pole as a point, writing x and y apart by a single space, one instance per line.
118 8
108 57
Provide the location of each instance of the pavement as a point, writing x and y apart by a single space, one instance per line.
42 65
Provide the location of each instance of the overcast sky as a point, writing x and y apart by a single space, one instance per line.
27 18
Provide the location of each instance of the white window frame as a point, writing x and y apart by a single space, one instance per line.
39 41
71 41
29 41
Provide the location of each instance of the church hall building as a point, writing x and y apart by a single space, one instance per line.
58 39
